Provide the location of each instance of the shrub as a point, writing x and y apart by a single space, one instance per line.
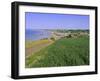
52 38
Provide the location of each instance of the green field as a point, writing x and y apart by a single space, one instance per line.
63 52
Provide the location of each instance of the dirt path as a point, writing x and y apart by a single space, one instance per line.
36 48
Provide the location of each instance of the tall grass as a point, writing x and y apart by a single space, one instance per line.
63 52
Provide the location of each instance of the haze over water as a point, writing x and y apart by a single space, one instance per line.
36 34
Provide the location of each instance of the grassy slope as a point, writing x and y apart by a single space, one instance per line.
35 46
64 52
29 44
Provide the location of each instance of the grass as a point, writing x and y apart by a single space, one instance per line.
29 44
63 52
31 47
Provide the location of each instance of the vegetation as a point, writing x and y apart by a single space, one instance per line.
52 38
72 31
63 52
35 46
29 44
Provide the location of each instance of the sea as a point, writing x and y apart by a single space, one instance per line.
36 34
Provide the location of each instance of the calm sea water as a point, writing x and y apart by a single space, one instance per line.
36 34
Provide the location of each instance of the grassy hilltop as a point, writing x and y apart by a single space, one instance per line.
62 52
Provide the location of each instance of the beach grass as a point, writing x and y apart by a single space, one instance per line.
63 52
29 44
31 47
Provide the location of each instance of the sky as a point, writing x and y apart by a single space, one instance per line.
56 21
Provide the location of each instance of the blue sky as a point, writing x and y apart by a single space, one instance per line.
56 21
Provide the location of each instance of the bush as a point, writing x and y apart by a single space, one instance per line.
52 38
